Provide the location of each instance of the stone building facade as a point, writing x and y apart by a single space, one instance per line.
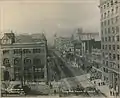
110 35
25 60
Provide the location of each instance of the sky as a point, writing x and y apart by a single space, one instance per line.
49 16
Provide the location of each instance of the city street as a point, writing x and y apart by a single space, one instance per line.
74 76
60 48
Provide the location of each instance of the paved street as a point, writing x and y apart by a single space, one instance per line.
74 75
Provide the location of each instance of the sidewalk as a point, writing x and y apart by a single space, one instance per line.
104 89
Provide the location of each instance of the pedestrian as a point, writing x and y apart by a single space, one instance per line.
110 93
55 92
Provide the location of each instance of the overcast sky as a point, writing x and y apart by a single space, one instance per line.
61 16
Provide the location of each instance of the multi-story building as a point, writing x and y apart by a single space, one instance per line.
25 56
64 44
110 35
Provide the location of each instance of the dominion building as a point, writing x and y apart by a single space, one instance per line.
24 57
110 35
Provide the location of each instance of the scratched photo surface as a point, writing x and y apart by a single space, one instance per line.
60 48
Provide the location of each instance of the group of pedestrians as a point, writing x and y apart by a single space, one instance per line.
113 92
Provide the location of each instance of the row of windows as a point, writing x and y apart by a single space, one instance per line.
110 30
27 61
111 39
109 13
105 70
112 65
110 47
24 51
110 3
112 56
110 21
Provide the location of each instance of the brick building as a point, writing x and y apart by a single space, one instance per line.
25 56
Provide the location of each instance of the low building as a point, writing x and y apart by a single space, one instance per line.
25 56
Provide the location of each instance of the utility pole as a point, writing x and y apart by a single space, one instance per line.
22 68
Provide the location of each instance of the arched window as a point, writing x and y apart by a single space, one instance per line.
16 61
36 62
27 61
6 62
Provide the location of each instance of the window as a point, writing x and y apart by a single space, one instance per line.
113 30
117 29
36 50
106 47
105 38
102 31
105 30
107 4
25 51
117 18
109 38
103 46
118 57
112 20
113 38
101 24
108 22
104 15
27 61
109 47
104 69
114 56
118 66
101 16
116 1
112 11
106 63
118 38
6 62
17 51
104 6
113 47
36 62
104 23
118 47
103 54
111 2
5 51
109 55
108 30
117 9
16 61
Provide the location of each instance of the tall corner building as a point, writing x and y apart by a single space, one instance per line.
110 36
